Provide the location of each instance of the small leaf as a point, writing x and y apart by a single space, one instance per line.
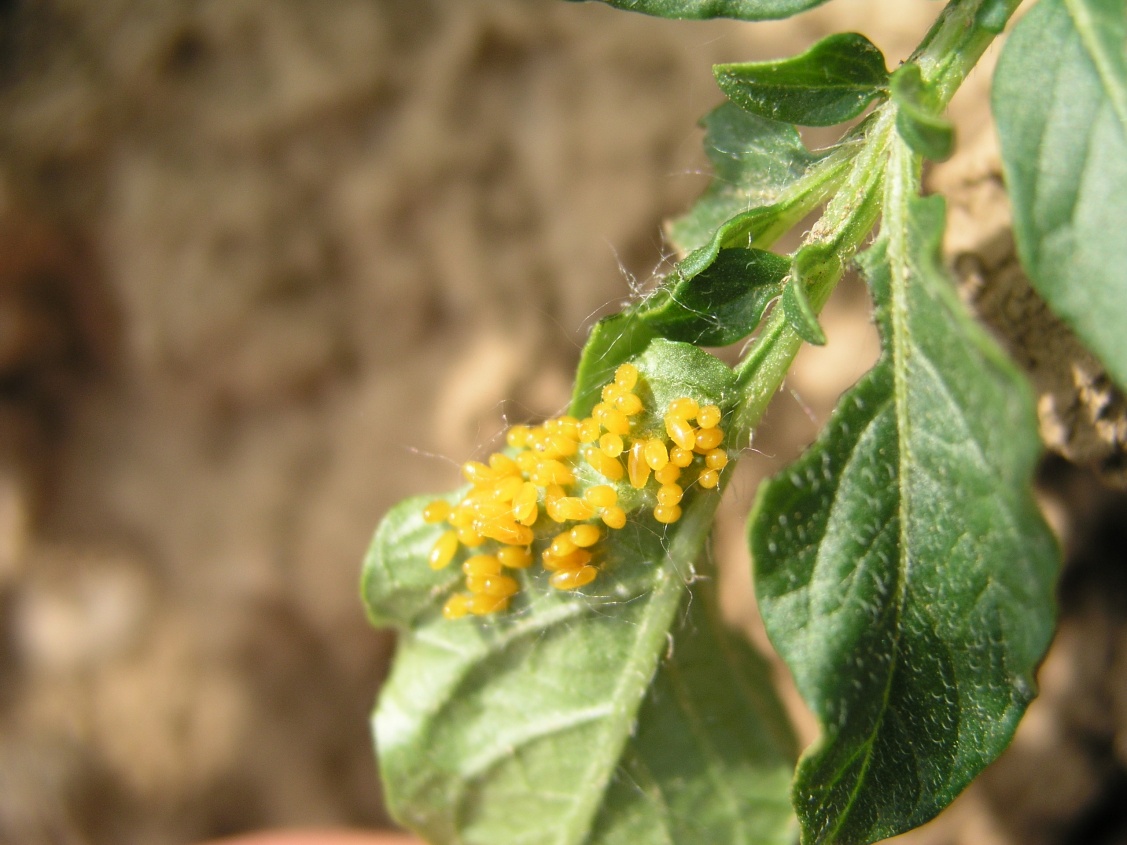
516 728
902 567
1060 98
917 119
757 165
830 83
812 264
721 305
748 10
800 315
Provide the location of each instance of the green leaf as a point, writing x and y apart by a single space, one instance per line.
397 589
612 341
903 569
516 728
830 83
917 118
764 181
721 305
713 748
747 10
1060 98
812 266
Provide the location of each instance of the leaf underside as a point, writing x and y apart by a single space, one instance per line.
902 567
748 10
559 721
1060 99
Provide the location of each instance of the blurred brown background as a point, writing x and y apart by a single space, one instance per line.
266 268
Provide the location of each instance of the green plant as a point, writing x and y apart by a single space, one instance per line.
902 568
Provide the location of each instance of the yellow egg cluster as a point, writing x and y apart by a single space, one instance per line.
514 496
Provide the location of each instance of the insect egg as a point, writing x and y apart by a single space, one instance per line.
716 459
708 479
585 535
611 445
629 404
573 579
708 439
626 376
601 495
481 604
708 416
482 565
457 606
515 557
680 457
613 517
436 511
655 454
444 550
679 431
636 465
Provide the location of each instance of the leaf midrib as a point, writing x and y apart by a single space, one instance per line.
896 222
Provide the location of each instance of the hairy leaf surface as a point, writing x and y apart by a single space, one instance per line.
830 83
712 757
748 10
902 567
1060 98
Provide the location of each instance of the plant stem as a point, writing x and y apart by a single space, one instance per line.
957 40
951 48
844 226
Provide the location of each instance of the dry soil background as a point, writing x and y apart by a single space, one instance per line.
268 267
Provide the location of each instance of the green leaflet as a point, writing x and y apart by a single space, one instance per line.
748 10
723 304
830 83
1060 99
902 567
917 118
764 181
541 725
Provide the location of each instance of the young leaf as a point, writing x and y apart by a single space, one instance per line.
757 165
917 122
811 265
721 305
512 729
1060 98
712 748
748 10
830 83
902 567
